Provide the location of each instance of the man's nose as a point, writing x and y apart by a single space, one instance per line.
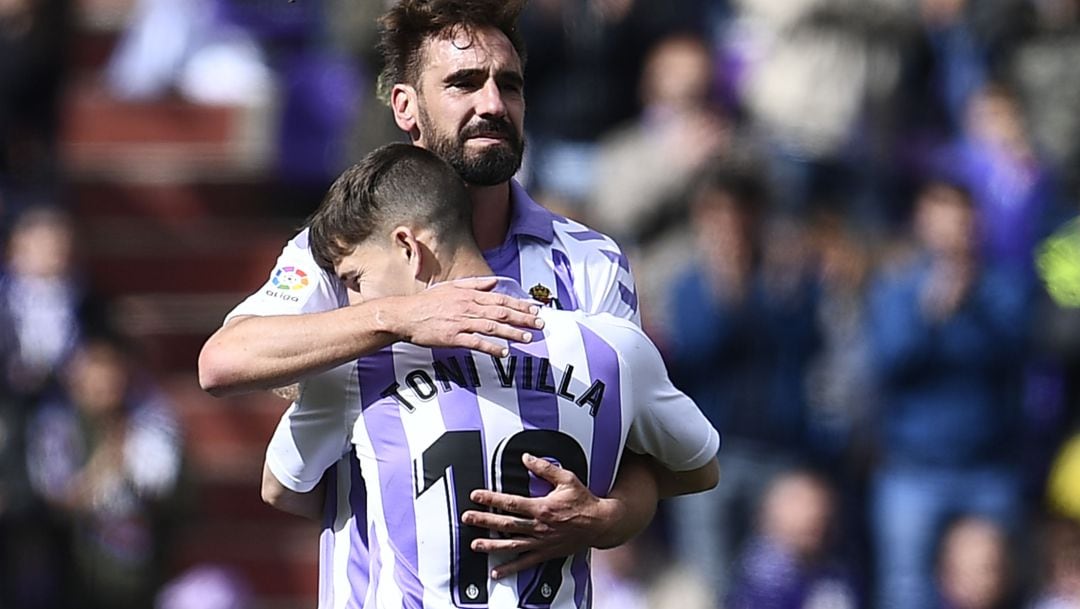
490 101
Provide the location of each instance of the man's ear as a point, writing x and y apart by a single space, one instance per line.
407 246
404 101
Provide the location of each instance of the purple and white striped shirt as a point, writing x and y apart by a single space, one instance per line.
583 269
431 425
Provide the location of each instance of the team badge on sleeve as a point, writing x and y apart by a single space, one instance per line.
290 278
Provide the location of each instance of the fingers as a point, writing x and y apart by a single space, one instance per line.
513 504
506 524
471 341
513 544
548 470
495 329
522 562
503 301
509 315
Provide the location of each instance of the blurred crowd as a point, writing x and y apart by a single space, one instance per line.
91 452
854 227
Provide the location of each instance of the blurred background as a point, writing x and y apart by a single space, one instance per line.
853 224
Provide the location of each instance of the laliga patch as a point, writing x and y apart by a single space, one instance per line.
287 283
290 279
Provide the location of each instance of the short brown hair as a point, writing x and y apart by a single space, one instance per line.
405 27
394 184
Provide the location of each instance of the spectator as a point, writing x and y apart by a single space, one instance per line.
40 303
106 456
813 67
742 333
646 164
839 380
1011 187
1060 585
947 334
630 577
790 563
974 568
643 167
584 60
41 299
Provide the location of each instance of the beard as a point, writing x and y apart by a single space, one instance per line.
488 167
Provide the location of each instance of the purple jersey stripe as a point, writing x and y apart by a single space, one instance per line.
326 540
459 407
618 258
376 563
391 449
579 570
628 296
538 409
358 538
587 235
564 280
607 428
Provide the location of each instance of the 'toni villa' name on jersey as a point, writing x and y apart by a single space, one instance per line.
522 371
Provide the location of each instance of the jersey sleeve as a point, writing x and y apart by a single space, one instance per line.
314 432
601 273
296 285
667 424
612 284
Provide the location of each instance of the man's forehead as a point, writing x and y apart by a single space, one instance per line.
470 48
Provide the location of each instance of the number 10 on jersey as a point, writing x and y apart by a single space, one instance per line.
457 459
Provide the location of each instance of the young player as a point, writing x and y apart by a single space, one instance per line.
430 426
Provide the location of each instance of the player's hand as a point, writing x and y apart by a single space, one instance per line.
458 313
567 520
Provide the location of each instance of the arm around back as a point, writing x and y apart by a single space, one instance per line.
264 352
691 481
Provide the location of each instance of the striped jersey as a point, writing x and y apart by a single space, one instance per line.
582 269
430 425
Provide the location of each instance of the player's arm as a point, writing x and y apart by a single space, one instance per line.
268 351
674 483
311 436
308 505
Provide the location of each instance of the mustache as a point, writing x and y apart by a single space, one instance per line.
489 125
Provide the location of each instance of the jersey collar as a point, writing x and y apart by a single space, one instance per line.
528 217
510 287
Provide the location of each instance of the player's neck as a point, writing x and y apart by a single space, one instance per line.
466 262
491 214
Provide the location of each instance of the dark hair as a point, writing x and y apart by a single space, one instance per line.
396 183
406 26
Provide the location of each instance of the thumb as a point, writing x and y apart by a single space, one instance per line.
547 470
